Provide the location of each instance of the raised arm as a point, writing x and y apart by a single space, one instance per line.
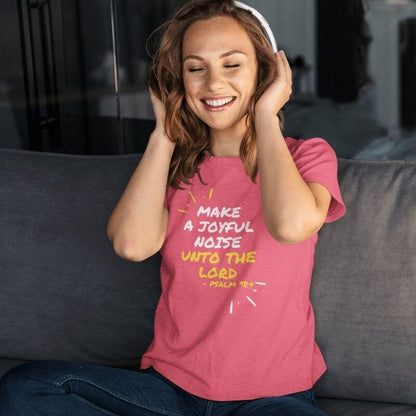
138 223
293 209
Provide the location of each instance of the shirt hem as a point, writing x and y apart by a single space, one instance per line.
174 375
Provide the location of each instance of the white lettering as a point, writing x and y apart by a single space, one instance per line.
217 242
216 212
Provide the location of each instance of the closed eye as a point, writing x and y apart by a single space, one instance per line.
200 69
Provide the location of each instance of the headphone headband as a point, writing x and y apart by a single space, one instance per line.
262 21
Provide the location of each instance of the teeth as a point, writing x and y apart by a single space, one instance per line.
218 103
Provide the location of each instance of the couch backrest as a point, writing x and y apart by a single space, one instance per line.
364 285
66 295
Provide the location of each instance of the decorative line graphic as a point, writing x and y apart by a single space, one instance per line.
251 300
218 229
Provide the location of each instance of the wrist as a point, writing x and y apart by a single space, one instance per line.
265 115
264 118
159 137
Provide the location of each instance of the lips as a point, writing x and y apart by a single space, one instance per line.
217 103
219 97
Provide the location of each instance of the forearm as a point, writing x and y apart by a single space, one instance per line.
137 218
289 206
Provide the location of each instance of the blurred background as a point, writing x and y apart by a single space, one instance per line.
74 73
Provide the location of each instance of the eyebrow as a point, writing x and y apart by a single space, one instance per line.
199 58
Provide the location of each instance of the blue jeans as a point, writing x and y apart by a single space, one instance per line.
65 388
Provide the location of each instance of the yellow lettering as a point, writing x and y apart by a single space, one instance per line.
197 256
246 284
250 257
223 273
236 258
225 285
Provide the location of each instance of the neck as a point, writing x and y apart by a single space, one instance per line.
226 143
225 148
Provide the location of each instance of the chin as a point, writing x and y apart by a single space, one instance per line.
218 127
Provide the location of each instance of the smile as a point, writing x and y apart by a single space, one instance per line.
218 105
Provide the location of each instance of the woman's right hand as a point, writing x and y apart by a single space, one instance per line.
159 110
159 132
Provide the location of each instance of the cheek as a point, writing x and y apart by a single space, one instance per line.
190 84
246 82
192 92
191 89
188 91
190 101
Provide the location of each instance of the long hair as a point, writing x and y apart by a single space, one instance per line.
190 134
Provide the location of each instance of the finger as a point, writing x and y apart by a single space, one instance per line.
286 72
282 66
284 59
286 65
286 62
281 70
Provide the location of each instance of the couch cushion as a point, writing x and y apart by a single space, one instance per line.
65 294
359 408
364 285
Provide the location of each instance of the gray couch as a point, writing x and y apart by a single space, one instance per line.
66 295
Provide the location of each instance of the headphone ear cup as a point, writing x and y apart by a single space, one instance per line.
262 20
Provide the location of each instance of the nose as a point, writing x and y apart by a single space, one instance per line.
215 79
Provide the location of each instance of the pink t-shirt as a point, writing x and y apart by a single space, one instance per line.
234 321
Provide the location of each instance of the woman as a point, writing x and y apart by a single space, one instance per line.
237 226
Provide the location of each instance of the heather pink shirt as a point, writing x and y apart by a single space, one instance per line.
234 321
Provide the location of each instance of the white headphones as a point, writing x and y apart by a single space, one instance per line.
262 21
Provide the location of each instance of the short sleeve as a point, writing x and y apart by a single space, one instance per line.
317 161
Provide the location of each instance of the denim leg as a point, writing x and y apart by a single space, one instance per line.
64 388
198 405
297 404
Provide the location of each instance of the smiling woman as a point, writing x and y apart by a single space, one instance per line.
223 89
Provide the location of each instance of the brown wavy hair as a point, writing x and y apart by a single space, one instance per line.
190 134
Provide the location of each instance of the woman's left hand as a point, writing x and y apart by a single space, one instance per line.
277 95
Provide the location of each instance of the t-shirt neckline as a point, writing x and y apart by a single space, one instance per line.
223 160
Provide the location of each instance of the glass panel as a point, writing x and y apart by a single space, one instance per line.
135 22
106 71
76 74
90 123
13 119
